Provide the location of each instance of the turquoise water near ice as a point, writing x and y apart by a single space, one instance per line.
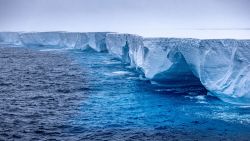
120 101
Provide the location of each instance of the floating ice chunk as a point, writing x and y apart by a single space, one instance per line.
121 73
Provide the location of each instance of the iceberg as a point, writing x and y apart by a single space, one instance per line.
158 58
222 66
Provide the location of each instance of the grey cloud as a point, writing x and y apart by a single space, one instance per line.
122 15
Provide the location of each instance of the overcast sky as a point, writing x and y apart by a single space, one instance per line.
142 17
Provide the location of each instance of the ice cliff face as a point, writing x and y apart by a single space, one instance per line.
94 40
164 62
10 38
158 58
222 66
41 39
126 47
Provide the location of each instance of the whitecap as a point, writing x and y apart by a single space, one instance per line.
121 73
60 49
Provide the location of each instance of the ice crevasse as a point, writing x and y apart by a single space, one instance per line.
221 65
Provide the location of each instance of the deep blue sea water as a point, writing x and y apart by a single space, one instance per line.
60 94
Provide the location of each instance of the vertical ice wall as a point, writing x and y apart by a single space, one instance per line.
68 39
41 39
99 39
164 62
223 67
158 58
117 45
10 38
126 47
94 40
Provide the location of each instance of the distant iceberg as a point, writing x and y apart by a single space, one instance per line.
77 40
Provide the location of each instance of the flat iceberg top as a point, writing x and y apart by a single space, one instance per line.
201 33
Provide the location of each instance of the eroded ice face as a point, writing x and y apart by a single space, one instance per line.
221 65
